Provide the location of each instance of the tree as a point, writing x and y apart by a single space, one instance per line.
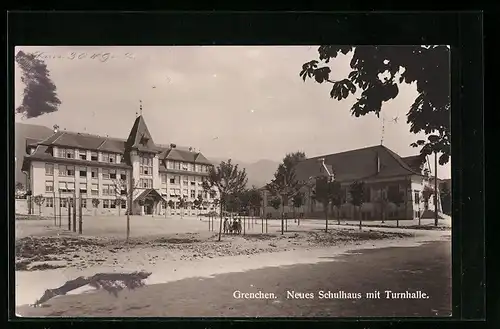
227 179
182 205
118 203
39 96
446 199
39 201
323 191
297 202
200 203
427 192
377 71
19 186
171 204
95 204
357 191
284 183
395 196
336 198
275 202
255 199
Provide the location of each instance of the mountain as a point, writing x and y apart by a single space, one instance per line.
22 132
258 173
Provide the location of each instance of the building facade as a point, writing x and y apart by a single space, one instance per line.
383 172
103 174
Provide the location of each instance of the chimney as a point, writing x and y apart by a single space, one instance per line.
56 128
172 146
378 163
190 149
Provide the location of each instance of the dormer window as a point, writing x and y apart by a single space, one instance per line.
144 140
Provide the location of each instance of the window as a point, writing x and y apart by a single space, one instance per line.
84 203
93 156
112 174
105 204
49 202
205 195
83 172
112 158
94 189
62 187
170 164
113 204
62 153
49 169
104 157
163 178
177 165
123 176
185 181
105 174
190 166
83 188
62 170
70 171
49 186
193 181
70 154
106 190
417 197
124 204
184 166
172 180
93 172
193 193
82 155
70 186
63 203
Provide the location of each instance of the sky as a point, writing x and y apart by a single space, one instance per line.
242 102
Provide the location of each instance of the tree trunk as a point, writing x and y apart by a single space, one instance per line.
220 222
360 220
326 219
337 210
282 219
69 215
80 217
74 210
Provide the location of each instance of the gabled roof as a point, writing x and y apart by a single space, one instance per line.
360 164
140 138
85 141
415 162
147 192
182 155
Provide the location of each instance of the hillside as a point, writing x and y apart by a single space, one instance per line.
23 131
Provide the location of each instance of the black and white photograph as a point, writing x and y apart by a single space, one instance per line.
233 181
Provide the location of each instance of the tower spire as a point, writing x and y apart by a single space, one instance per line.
140 107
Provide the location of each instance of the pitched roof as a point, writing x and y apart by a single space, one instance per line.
360 164
85 141
147 192
415 162
140 137
182 155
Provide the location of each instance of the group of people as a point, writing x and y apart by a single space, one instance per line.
233 226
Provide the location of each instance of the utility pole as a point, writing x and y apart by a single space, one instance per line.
435 191
74 210
80 215
55 214
69 213
59 202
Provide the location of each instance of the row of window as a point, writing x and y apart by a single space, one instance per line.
69 171
187 166
69 187
82 155
186 180
63 203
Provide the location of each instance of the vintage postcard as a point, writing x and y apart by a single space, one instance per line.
233 181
